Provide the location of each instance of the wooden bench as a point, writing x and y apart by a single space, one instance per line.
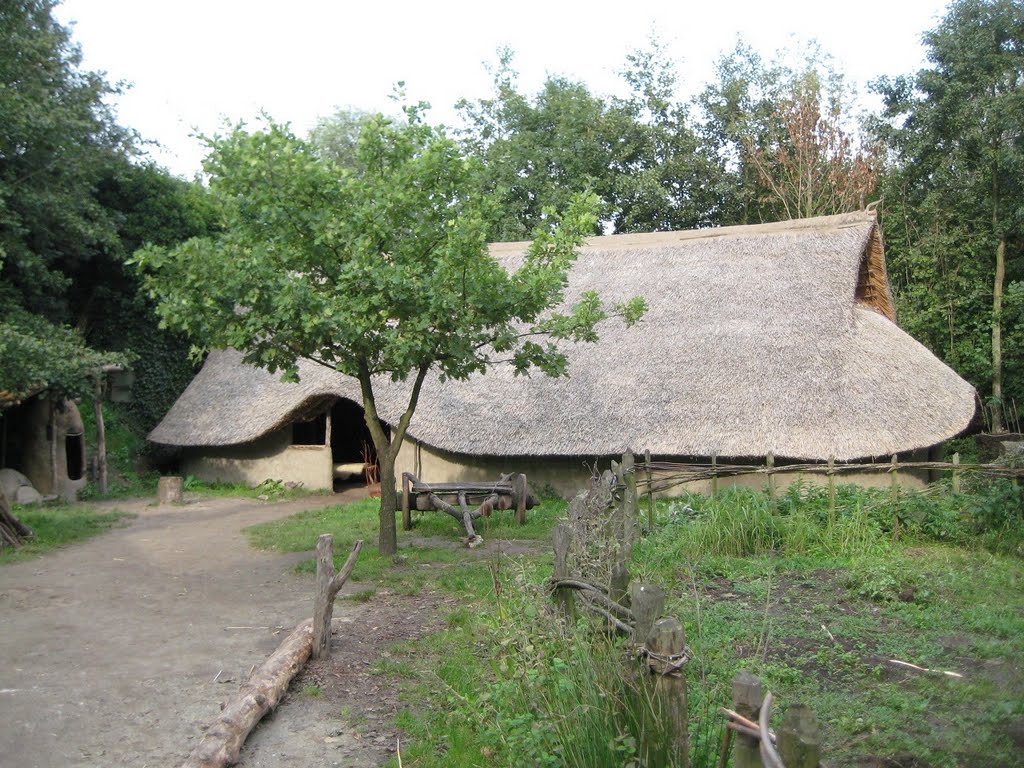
507 492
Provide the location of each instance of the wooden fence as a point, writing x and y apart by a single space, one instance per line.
592 550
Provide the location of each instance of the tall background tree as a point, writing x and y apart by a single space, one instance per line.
787 133
954 211
75 201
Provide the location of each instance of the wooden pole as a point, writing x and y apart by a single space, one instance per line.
666 646
956 472
647 602
618 585
327 585
831 490
747 698
800 738
714 476
564 597
631 520
520 492
650 492
894 482
406 508
770 464
101 436
54 487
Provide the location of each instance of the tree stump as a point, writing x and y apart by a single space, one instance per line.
666 647
170 490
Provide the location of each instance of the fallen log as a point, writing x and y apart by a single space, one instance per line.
223 740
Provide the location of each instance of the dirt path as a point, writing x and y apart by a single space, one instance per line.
111 647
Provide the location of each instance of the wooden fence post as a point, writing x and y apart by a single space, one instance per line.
714 475
894 483
406 502
647 602
831 490
666 646
770 465
631 520
747 698
800 738
650 492
618 585
564 597
956 472
520 491
328 583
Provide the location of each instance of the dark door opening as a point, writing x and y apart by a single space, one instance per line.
351 445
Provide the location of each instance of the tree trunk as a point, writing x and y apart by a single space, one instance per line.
997 337
387 542
12 530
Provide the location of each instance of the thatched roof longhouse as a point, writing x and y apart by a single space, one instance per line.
771 338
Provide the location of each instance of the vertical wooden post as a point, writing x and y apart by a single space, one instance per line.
894 482
618 585
54 485
323 609
647 602
770 465
631 521
831 490
406 502
565 599
714 474
956 472
666 644
328 584
101 435
747 698
519 493
650 492
800 738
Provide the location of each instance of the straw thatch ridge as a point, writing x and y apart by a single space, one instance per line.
771 338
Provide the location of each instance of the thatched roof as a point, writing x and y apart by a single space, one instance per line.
770 338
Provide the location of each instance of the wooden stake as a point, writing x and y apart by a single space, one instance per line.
714 476
650 492
800 738
406 509
666 645
327 585
832 490
631 521
101 436
956 472
647 602
770 464
520 492
564 597
747 698
894 482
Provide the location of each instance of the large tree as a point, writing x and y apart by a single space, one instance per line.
379 270
955 223
785 131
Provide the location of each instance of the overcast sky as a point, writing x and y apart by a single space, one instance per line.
192 64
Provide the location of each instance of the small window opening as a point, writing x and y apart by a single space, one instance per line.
74 452
312 432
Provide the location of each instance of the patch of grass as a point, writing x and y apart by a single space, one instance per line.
58 526
816 604
312 691
362 596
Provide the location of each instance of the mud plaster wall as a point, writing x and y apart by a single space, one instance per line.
272 457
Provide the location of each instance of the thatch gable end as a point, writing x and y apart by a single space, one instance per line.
771 338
